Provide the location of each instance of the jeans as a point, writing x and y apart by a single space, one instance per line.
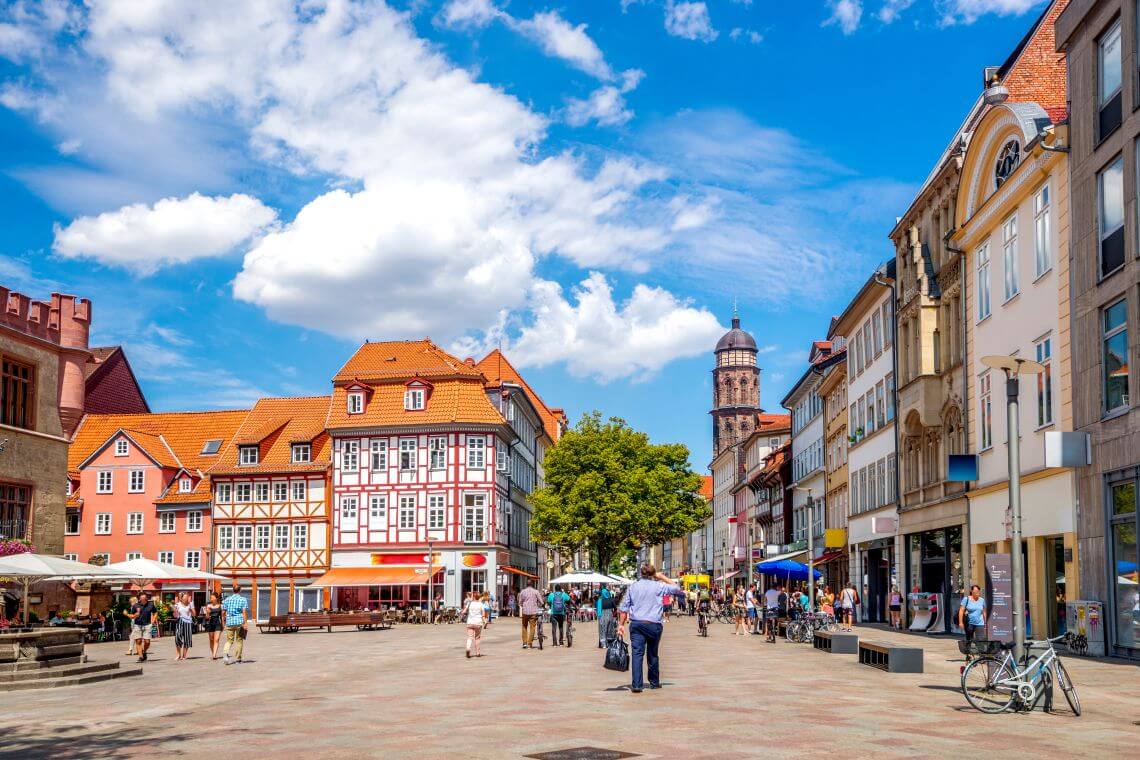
234 639
558 623
644 638
529 622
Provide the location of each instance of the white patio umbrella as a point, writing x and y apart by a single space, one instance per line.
620 580
145 571
30 567
583 576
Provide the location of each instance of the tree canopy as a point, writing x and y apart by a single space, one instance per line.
610 490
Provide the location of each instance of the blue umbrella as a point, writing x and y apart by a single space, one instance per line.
785 568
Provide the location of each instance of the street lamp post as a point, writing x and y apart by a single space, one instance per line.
431 588
810 546
1013 368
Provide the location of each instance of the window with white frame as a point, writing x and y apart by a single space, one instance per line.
121 447
71 523
136 482
379 453
244 537
165 522
983 287
377 507
301 453
261 492
248 455
194 521
281 537
985 412
407 513
280 490
103 482
348 506
1042 242
407 454
263 538
225 537
436 511
298 490
71 557
890 396
194 559
356 403
437 452
350 456
185 485
134 522
877 332
300 536
476 452
133 556
474 517
414 399
243 493
1009 256
888 323
224 493
167 557
103 523
868 356
1044 354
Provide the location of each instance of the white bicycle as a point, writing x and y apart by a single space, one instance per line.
994 685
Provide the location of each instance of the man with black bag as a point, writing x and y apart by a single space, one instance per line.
642 608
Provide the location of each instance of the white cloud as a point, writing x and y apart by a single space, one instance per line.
459 14
847 14
892 9
969 11
559 38
605 105
739 33
689 21
146 238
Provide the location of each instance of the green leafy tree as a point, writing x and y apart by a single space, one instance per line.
609 490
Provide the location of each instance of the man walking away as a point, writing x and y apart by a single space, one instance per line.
559 602
642 609
235 618
530 607
142 616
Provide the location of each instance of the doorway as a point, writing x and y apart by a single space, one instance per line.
878 584
1055 585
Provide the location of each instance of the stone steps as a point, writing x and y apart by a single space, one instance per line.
66 675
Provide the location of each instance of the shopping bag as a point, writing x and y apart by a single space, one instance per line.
617 656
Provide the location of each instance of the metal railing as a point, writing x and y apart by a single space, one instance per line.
14 529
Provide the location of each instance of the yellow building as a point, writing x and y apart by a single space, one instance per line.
1013 208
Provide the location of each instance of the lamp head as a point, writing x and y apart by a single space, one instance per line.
1013 365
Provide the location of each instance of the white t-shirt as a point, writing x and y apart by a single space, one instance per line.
847 599
772 599
749 599
475 613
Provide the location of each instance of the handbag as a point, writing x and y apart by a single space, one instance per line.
617 656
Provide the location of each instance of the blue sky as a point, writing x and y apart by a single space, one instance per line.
590 185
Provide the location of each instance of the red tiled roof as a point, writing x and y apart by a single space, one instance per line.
275 424
388 360
706 487
454 400
497 369
182 433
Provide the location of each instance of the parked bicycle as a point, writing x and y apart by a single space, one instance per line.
702 622
993 684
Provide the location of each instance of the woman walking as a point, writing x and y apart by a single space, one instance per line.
184 628
130 641
738 612
894 604
475 613
848 598
213 624
972 614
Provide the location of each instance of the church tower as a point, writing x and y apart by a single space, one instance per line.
736 388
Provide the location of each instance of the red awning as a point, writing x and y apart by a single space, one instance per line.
828 556
374 576
516 571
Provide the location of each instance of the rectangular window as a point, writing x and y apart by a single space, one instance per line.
244 493
868 357
1115 343
248 455
379 453
133 555
350 456
134 522
244 537
194 521
71 557
407 511
1110 215
281 537
348 512
261 492
858 352
224 493
17 394
280 491
302 453
355 403
1009 256
298 490
985 413
71 523
211 447
414 399
474 517
1042 231
407 454
226 537
263 538
877 332
1044 354
983 286
377 507
301 536
167 557
103 484
888 323
166 522
185 485
476 452
136 483
121 447
194 560
1108 82
437 452
436 512
880 405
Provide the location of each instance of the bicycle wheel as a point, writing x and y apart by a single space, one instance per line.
980 685
1066 682
569 635
541 637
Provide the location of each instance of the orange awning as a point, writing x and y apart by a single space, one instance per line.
374 576
516 571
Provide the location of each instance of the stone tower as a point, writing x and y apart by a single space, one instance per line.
736 388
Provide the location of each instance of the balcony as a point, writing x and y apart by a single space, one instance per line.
923 395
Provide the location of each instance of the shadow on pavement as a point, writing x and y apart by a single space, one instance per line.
29 740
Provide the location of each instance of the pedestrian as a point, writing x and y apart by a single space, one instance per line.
477 616
213 623
559 602
235 619
772 611
972 613
738 613
488 600
894 604
805 601
666 605
512 604
828 605
848 598
750 607
605 608
184 625
143 616
691 600
530 607
641 611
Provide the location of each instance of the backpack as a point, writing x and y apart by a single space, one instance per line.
558 603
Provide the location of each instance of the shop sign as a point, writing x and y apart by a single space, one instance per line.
999 621
835 538
474 560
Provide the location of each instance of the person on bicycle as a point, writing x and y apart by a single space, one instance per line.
559 604
772 611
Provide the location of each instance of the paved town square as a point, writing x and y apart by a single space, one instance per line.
409 692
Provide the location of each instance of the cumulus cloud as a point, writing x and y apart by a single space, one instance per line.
740 34
605 105
846 14
560 39
460 14
145 238
689 21
969 11
892 9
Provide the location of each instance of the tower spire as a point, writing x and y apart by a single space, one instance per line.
735 314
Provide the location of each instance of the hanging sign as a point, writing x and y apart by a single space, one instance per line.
999 615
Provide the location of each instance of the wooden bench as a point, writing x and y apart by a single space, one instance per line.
364 621
889 657
836 643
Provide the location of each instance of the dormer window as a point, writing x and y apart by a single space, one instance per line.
121 447
247 455
185 485
414 399
301 453
356 403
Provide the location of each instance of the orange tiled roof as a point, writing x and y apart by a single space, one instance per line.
773 421
706 487
183 433
497 369
156 446
200 494
403 359
455 400
275 424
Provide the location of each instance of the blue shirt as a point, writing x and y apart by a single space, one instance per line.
974 610
643 600
565 602
605 594
234 604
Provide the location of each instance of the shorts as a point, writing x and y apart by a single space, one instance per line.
140 632
895 608
752 613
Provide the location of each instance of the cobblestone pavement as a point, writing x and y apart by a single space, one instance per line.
409 692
